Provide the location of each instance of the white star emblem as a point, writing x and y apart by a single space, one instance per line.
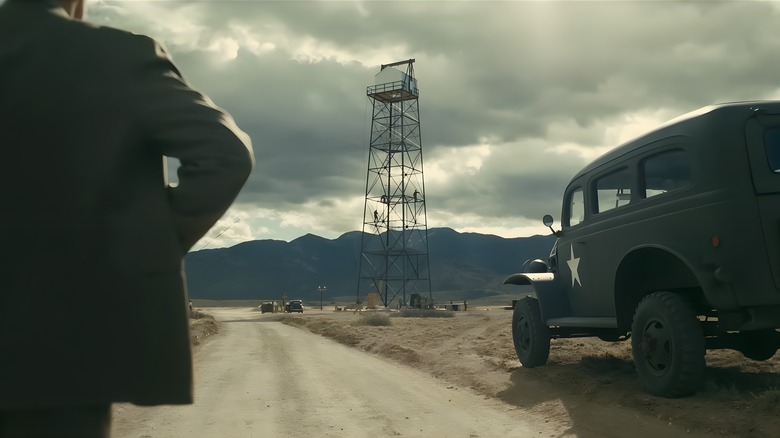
574 264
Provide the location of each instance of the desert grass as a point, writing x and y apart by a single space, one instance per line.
768 400
197 314
374 319
426 313
202 326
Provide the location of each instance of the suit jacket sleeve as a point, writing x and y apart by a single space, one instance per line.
216 156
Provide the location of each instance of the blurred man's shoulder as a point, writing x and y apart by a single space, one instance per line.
24 16
110 40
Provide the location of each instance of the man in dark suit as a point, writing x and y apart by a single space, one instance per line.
93 308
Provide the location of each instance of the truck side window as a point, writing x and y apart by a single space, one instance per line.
772 147
613 190
667 171
576 207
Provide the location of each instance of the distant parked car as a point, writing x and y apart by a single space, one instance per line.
267 307
295 306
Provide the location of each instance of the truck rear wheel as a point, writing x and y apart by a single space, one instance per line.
668 345
529 333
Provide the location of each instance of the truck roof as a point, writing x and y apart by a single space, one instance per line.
679 126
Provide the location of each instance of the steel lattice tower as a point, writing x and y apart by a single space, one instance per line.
394 247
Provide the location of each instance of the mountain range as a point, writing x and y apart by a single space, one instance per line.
462 266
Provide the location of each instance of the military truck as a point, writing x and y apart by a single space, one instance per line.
671 240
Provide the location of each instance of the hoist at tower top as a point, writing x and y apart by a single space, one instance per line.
394 85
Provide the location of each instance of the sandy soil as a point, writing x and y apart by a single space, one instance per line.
261 378
590 386
202 326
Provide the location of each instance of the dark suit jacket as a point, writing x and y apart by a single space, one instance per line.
93 307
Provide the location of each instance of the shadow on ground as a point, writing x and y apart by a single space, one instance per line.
602 397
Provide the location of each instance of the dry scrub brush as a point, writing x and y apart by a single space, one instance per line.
427 313
202 326
374 319
197 314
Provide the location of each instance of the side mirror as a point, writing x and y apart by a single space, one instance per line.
547 220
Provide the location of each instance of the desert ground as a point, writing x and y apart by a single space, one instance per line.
260 378
589 387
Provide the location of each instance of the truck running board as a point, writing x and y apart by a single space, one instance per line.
591 322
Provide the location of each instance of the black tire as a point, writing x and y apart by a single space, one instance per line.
668 345
759 344
529 333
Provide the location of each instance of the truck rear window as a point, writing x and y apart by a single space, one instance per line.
613 190
667 171
772 147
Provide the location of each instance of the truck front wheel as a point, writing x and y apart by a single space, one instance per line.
529 333
668 345
759 344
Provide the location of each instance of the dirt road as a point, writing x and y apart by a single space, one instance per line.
588 389
260 378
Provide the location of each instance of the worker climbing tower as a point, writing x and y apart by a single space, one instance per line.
394 247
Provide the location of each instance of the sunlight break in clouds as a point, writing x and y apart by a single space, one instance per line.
473 223
310 50
250 40
181 26
177 24
232 228
586 153
604 136
227 47
634 124
328 218
453 162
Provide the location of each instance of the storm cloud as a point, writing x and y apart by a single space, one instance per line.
515 97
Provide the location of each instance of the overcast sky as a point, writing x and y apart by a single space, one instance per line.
515 97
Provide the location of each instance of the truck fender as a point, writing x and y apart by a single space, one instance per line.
549 291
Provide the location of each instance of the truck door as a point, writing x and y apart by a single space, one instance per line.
763 143
611 230
762 133
572 253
